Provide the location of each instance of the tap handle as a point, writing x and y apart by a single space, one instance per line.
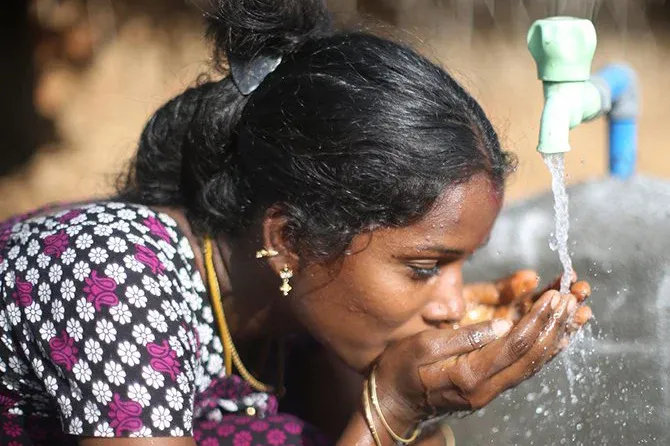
563 48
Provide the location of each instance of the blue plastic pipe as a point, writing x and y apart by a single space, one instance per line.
622 118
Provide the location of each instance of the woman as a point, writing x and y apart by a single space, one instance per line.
314 208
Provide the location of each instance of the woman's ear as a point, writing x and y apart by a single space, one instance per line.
274 232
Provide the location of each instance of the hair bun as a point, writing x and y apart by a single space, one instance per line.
247 28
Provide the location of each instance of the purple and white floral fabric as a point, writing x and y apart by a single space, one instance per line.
107 331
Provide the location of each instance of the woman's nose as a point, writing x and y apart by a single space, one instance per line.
447 304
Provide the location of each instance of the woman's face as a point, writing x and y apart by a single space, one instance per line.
397 282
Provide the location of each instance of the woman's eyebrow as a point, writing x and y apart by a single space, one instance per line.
442 250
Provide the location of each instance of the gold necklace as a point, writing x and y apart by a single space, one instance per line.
231 356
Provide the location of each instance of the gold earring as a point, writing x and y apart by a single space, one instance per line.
286 274
266 253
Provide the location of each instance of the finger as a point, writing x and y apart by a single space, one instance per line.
556 284
580 318
481 293
448 349
478 313
503 352
517 285
436 346
581 290
541 352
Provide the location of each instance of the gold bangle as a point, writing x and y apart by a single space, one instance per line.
448 433
368 415
378 409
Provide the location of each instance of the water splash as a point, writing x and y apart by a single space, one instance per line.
559 239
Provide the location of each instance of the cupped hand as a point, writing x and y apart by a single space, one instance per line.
442 371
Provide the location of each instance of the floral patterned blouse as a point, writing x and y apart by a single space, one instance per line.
107 331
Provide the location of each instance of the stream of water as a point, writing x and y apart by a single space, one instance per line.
559 239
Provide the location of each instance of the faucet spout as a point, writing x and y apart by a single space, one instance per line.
567 104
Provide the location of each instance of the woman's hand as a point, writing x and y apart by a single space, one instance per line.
511 297
440 371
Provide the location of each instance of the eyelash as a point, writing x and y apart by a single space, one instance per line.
425 273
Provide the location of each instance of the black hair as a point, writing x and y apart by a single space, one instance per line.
351 132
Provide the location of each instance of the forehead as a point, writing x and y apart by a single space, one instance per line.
461 219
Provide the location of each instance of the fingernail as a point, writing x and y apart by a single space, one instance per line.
501 326
555 300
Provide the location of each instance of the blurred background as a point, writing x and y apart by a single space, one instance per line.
81 77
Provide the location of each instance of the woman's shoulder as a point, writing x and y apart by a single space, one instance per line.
99 226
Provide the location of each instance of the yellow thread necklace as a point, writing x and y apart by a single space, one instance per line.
231 356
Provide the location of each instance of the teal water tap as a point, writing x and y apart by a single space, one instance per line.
563 49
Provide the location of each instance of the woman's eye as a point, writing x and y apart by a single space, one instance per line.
422 273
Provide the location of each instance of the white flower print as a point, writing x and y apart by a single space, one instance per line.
128 353
140 394
121 314
116 272
188 419
34 312
103 430
57 310
205 333
85 310
117 244
139 227
21 264
133 264
33 248
136 296
157 321
115 373
116 205
73 230
183 383
91 412
14 252
65 406
67 289
198 284
9 279
47 330
102 230
151 285
215 365
167 220
98 255
161 417
102 392
43 260
74 329
78 220
165 283
143 432
174 399
177 432
84 241
55 273
121 226
127 214
105 218
13 314
44 292
17 365
152 377
93 350
176 346
207 315
33 276
38 367
82 371
68 256
81 270
95 209
143 334
106 331
51 385
76 426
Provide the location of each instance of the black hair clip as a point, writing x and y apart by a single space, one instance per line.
247 76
